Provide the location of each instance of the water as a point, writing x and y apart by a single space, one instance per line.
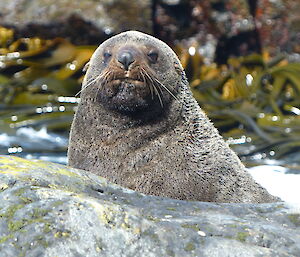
278 181
31 143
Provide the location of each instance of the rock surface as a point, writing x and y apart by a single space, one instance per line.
48 209
231 27
77 19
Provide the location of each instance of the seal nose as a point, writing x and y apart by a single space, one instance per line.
126 58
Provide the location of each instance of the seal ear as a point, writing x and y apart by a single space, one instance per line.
86 66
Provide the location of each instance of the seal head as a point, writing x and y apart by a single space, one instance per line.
131 76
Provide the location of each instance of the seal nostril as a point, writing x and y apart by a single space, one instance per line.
126 58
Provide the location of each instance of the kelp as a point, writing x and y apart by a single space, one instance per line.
253 100
257 94
36 72
38 83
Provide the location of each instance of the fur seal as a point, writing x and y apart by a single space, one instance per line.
138 125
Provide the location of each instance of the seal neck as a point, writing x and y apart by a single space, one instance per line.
164 119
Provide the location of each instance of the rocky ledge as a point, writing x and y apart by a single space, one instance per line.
48 209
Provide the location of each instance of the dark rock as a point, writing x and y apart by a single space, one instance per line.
239 27
84 22
219 29
48 209
278 23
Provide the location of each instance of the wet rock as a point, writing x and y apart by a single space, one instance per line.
82 21
219 29
278 23
230 28
49 209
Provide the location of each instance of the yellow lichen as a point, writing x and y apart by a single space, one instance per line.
67 172
3 186
14 165
137 231
190 247
60 234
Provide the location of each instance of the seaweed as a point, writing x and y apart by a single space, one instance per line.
253 96
253 100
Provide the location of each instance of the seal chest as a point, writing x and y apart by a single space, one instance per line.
138 125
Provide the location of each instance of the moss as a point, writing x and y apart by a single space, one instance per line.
149 217
22 254
170 252
47 228
295 219
10 212
5 238
57 203
16 225
38 213
19 191
171 209
67 172
26 200
152 235
61 234
241 236
192 226
41 240
190 247
15 165
228 236
6 169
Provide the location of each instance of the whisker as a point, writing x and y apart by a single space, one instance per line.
158 95
88 84
144 80
149 77
156 81
155 88
92 81
168 90
158 92
95 96
104 81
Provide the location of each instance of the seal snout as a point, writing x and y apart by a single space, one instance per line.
126 58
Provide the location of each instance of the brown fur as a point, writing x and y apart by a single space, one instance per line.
167 149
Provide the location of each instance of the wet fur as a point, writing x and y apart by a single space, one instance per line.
167 147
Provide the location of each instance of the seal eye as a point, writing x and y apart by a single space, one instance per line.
153 55
106 56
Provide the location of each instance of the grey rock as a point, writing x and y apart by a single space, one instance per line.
107 15
48 209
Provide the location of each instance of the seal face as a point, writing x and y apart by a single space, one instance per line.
138 125
130 79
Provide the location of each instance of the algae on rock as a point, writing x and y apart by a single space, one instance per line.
49 209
